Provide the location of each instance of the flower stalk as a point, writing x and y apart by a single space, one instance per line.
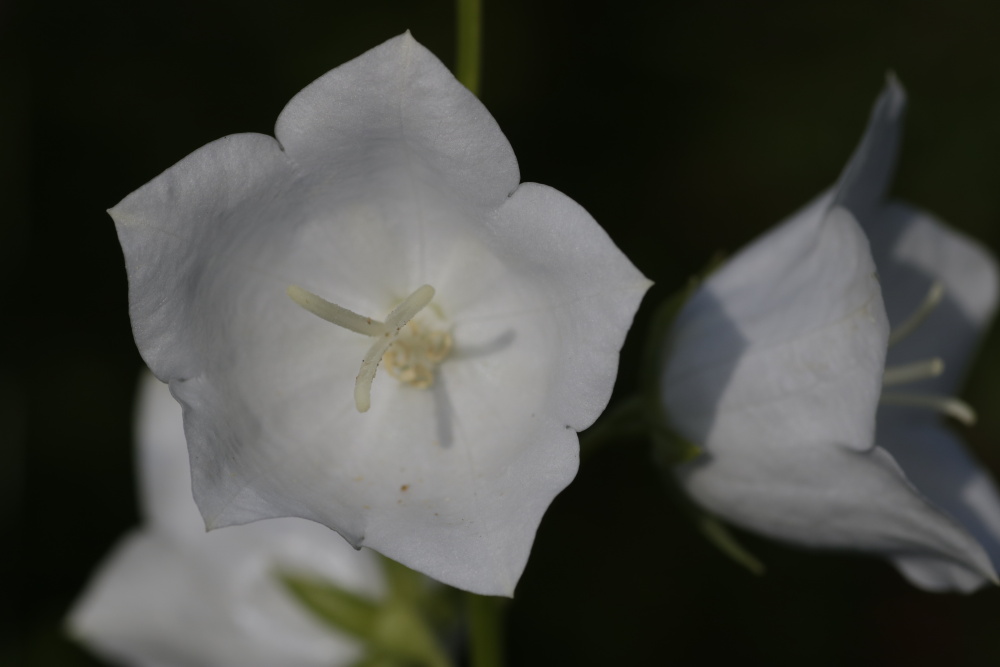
485 614
469 43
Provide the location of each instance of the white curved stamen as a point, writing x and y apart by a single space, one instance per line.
910 324
385 333
918 370
953 407
922 370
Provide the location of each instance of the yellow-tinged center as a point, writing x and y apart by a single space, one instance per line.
411 352
414 356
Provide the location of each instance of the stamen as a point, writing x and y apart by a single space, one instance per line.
953 407
416 353
909 325
921 370
385 333
918 370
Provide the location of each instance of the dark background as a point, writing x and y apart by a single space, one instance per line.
683 127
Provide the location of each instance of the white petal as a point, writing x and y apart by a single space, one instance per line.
784 345
911 247
346 125
834 497
787 412
912 250
937 463
174 595
198 212
589 290
515 411
169 509
865 180
156 604
162 459
936 574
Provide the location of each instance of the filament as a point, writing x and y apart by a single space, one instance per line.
909 325
952 407
918 370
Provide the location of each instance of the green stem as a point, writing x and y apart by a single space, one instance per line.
469 37
485 630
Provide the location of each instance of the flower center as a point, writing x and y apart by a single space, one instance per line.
921 370
416 353
411 352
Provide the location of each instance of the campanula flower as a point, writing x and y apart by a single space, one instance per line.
372 325
816 368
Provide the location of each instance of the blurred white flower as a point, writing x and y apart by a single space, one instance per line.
494 310
777 366
171 595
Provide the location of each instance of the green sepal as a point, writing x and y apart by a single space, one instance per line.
346 611
394 631
485 614
644 415
439 605
711 527
670 449
655 350
719 534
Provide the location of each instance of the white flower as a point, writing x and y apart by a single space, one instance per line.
171 595
391 192
777 367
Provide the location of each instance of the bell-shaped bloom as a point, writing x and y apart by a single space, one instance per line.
171 595
384 229
816 369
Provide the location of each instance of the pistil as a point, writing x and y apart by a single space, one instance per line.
384 333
